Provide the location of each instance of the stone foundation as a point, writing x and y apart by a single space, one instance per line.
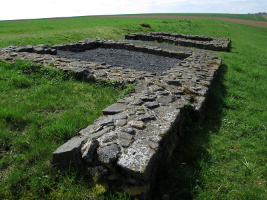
133 135
202 42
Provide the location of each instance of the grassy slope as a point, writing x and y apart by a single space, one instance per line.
40 110
224 156
231 16
54 31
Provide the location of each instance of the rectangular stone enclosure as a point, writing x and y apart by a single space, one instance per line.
133 135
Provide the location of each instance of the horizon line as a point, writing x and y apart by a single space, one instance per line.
110 15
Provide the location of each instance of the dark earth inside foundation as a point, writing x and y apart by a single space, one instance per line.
124 58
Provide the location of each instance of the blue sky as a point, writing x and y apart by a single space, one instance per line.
30 9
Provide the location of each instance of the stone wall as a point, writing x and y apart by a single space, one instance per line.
202 42
132 136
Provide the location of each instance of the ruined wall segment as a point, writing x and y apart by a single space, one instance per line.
202 42
132 136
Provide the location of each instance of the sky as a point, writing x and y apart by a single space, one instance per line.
32 9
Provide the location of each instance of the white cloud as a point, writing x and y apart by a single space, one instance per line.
22 9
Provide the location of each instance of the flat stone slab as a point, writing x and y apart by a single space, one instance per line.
132 136
138 160
114 108
69 153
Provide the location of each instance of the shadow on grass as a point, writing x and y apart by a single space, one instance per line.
179 175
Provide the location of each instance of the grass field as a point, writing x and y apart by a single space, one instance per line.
252 17
41 109
221 157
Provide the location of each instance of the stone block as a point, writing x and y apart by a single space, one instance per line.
166 100
69 153
108 154
139 160
151 105
114 109
120 122
88 150
128 130
136 124
27 48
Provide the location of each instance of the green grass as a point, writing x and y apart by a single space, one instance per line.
252 17
41 108
224 155
221 157
55 31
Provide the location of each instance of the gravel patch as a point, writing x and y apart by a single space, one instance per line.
124 58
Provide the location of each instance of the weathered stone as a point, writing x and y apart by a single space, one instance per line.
146 118
44 46
173 82
108 121
136 102
114 108
128 130
125 100
13 54
100 73
108 138
163 93
125 139
27 48
148 97
140 87
138 160
120 122
41 49
155 88
125 143
120 116
165 100
153 145
152 105
108 154
101 132
53 51
69 153
173 89
141 111
137 124
125 135
169 114
88 150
